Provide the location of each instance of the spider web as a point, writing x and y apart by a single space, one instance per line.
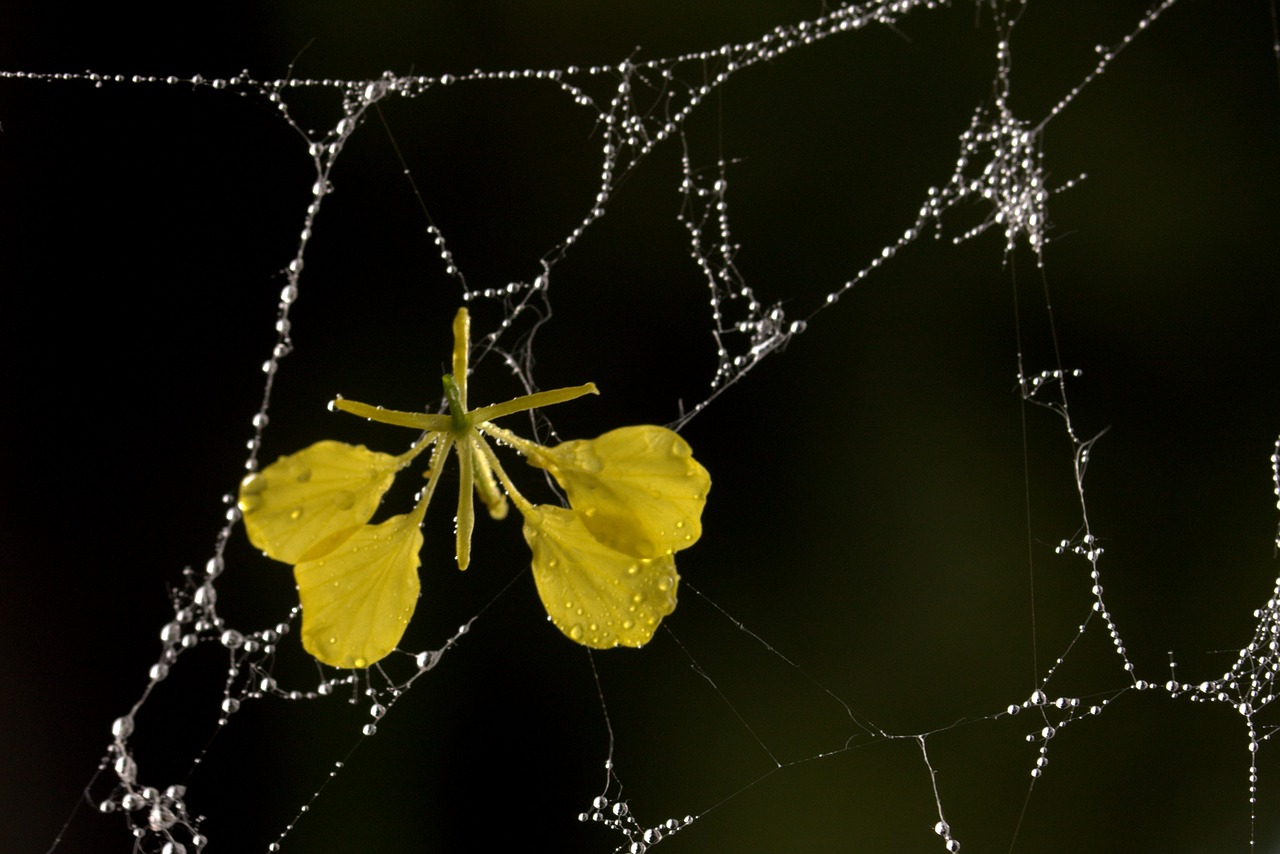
834 251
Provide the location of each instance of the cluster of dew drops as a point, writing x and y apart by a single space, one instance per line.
1064 710
159 813
616 816
1250 684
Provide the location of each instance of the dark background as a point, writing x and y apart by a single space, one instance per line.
868 515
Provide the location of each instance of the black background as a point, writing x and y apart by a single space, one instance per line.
868 514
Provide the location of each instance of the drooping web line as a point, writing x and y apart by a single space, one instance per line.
638 107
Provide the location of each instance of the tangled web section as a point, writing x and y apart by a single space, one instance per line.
640 107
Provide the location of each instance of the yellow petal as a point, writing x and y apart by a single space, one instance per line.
531 401
306 504
597 596
461 346
487 488
418 420
638 489
357 600
465 520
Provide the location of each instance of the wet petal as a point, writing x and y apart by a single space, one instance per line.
461 348
465 520
486 486
306 504
597 596
418 420
357 600
638 489
531 401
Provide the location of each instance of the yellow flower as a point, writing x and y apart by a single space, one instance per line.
604 569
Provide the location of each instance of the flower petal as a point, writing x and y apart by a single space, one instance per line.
357 599
597 596
306 504
530 401
465 520
638 489
419 420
